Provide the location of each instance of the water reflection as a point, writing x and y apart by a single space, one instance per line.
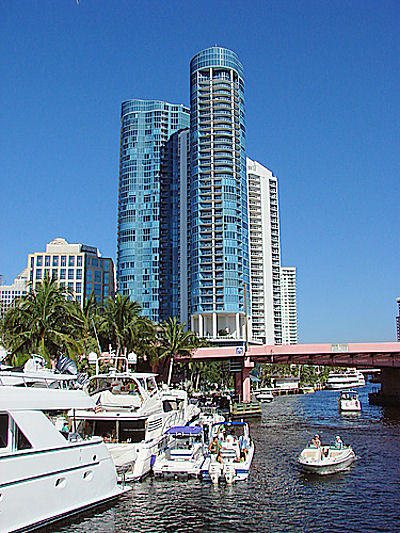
278 496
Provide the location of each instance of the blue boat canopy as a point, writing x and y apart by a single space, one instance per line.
184 430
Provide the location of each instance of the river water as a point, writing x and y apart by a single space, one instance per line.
277 496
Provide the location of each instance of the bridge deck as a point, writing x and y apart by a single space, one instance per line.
363 355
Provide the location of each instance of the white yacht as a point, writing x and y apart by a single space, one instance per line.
132 414
345 380
182 452
349 401
233 461
47 475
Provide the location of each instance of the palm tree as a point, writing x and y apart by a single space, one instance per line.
41 321
174 341
118 321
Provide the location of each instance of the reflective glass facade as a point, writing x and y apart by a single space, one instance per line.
219 246
146 125
174 227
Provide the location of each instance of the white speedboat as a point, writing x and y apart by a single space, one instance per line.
326 459
349 401
345 380
182 452
233 461
47 475
132 414
264 395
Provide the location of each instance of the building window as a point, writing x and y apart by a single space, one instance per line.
89 275
55 260
97 276
78 273
78 287
47 261
70 273
62 273
38 273
54 273
39 261
71 261
79 261
63 260
32 261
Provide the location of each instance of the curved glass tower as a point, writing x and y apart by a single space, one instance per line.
146 126
219 247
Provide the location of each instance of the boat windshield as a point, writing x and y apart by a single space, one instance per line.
124 431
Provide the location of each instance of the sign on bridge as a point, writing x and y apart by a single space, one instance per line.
339 348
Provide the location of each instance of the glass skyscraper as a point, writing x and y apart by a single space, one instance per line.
219 246
146 125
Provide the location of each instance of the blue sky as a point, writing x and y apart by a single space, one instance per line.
322 97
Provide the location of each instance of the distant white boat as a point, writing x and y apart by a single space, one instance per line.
264 395
349 401
47 474
345 380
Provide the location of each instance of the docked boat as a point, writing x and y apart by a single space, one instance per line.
345 380
349 401
264 395
233 460
47 474
132 415
182 452
325 460
35 373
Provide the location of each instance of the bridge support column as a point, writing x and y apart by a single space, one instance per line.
390 380
243 382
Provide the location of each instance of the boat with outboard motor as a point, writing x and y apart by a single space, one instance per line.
47 474
349 402
132 414
182 452
231 453
323 460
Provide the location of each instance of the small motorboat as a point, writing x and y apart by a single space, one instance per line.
325 460
264 395
349 401
182 452
233 461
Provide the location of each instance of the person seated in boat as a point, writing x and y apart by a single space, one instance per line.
338 444
315 442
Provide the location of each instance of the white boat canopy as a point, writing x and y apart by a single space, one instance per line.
29 398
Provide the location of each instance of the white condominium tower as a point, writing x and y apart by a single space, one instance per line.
265 261
289 305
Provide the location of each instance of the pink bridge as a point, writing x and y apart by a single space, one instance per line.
384 355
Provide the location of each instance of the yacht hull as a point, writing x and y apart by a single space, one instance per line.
64 482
